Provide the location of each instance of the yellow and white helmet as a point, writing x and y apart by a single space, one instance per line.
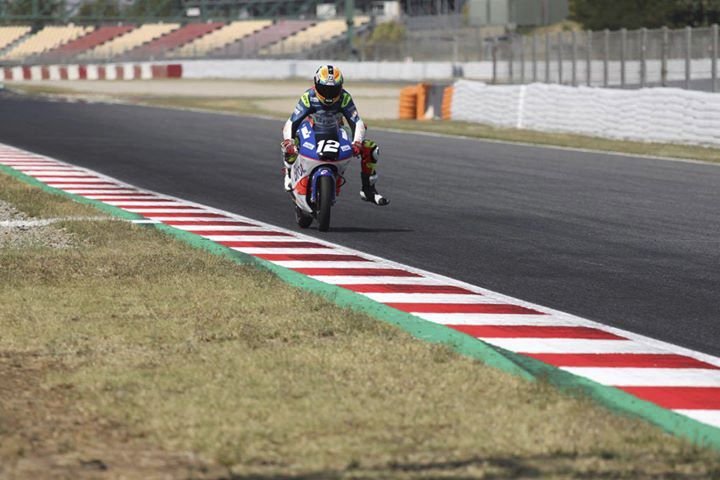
328 84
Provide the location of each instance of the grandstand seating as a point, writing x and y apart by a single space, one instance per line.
221 37
131 40
267 36
46 39
89 41
314 35
8 35
175 39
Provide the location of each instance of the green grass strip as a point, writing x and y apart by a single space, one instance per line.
516 364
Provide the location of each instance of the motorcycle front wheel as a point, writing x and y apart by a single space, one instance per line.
324 202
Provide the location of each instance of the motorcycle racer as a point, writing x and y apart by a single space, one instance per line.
328 104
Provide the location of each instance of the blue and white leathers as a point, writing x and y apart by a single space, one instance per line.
325 117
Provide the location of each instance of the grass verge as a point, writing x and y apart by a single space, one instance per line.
264 106
133 346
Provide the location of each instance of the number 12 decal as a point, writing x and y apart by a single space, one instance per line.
328 146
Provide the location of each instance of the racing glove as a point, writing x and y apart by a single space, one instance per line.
357 148
288 147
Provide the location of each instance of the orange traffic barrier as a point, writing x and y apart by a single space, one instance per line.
421 106
447 102
413 102
408 103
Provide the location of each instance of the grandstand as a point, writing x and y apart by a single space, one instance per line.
319 33
252 44
46 39
87 42
220 38
174 39
153 41
124 43
10 35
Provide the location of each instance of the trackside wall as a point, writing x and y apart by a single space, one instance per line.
666 115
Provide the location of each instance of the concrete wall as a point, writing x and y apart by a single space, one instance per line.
282 69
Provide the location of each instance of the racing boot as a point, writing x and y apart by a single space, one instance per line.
369 155
369 193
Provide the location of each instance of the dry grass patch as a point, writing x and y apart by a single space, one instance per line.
177 350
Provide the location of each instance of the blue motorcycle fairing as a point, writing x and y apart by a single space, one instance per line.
323 171
331 146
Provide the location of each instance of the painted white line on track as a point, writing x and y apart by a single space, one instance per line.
253 238
649 377
499 319
328 264
139 202
571 345
711 417
102 191
220 228
280 251
361 280
429 298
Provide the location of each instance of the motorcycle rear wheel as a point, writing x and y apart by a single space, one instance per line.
324 202
303 219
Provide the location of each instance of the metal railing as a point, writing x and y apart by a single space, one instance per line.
686 58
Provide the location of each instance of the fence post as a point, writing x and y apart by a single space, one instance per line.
534 58
606 59
522 59
664 57
511 61
643 57
623 53
714 57
588 69
494 62
547 58
688 53
574 58
456 51
560 45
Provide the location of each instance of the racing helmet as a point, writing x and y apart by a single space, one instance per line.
328 84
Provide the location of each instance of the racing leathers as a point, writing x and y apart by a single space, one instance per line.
327 117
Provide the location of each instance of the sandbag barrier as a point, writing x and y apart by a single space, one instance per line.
664 115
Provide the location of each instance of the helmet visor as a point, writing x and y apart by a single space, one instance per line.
329 92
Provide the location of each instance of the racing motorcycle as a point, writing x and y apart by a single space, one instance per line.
317 174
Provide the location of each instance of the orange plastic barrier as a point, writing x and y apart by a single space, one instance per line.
447 102
421 106
413 102
408 103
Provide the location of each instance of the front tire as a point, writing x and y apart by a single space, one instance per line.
324 202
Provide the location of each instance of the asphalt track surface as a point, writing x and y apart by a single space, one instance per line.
630 242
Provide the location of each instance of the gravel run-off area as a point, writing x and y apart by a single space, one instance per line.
19 231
